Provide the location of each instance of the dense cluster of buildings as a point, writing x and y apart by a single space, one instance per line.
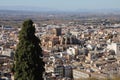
89 51
8 41
71 51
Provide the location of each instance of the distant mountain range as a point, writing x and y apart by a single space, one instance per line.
100 10
26 8
39 9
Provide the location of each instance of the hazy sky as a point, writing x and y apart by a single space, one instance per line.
63 4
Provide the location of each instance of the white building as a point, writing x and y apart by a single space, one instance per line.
115 47
71 51
7 52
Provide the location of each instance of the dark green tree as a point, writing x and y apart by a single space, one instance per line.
28 63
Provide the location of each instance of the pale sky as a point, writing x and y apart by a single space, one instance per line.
63 4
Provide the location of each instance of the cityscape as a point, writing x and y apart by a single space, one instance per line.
76 45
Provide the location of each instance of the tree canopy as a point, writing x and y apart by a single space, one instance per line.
29 63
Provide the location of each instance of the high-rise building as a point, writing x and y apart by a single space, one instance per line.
56 31
64 71
59 70
68 72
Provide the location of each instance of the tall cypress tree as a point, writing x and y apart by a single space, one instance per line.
28 64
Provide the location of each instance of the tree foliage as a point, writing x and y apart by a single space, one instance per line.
28 64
